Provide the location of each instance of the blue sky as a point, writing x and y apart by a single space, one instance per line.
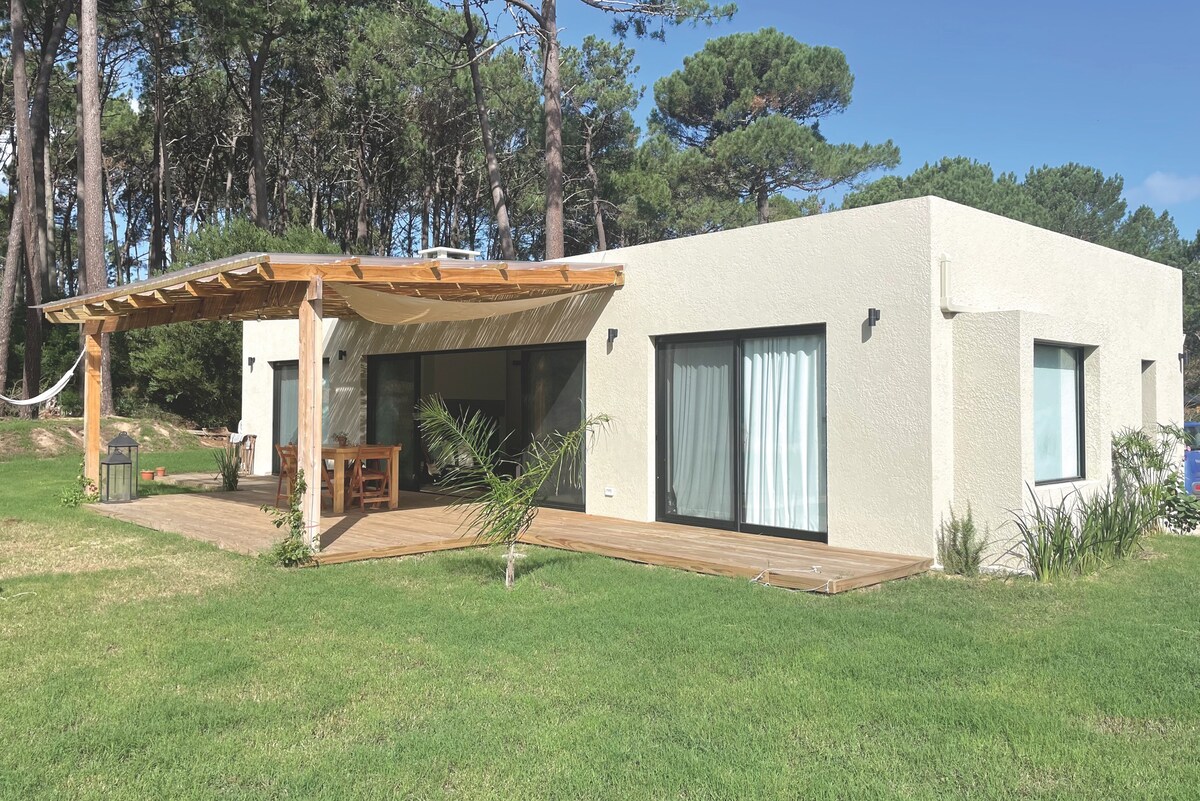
1114 86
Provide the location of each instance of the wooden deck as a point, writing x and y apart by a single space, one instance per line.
424 524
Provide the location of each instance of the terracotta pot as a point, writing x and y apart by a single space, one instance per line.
160 472
147 475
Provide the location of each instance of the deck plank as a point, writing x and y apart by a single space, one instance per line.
426 524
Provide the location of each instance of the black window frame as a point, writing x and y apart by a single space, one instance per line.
276 380
737 337
1080 423
523 432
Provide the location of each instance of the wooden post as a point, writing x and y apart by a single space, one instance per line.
91 407
309 434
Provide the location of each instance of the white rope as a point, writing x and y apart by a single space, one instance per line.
50 393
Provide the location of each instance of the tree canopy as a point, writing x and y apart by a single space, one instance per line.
752 103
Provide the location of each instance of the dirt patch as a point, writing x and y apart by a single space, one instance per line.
55 437
1134 727
48 443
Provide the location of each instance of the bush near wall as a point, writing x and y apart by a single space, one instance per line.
1080 534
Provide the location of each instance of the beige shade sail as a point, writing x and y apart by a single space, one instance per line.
388 309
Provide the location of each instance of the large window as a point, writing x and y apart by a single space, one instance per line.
286 416
741 431
1057 413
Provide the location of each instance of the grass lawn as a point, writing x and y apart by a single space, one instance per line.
142 665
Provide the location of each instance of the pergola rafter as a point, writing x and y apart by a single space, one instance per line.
284 286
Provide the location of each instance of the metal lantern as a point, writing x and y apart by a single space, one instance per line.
128 447
117 479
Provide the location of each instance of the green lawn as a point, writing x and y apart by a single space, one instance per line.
141 665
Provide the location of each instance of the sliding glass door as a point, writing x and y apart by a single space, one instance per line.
552 388
392 392
286 400
697 419
741 431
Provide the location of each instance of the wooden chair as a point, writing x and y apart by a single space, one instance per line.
248 442
368 486
287 473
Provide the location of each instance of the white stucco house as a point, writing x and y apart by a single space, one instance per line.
848 377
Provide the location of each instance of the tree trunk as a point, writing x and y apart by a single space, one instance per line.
763 202
91 205
8 291
510 570
594 177
499 197
26 195
552 95
362 228
158 169
258 157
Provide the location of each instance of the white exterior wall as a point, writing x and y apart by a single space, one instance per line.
1035 285
925 410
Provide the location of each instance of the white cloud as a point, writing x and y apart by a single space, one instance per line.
1166 188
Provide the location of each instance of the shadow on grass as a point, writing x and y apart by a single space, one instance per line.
150 489
486 563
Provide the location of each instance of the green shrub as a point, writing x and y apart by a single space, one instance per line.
1080 534
82 490
1048 539
1147 464
1180 511
291 551
229 466
960 546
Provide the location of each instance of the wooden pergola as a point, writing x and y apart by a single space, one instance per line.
285 286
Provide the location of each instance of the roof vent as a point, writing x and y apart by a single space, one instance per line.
448 253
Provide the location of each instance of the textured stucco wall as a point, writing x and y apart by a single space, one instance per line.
827 269
925 411
1034 285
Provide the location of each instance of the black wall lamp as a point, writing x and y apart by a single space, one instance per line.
341 355
612 335
250 363
872 317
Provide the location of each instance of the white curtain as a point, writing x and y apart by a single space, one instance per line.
701 444
1055 412
783 430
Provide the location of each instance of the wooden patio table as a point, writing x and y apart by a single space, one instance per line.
340 455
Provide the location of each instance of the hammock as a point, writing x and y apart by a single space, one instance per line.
50 393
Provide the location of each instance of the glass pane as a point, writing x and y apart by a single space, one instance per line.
1055 412
287 406
554 403
699 448
783 432
393 397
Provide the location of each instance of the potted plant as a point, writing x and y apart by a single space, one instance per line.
147 475
160 472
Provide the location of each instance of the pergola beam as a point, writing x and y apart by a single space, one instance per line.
308 431
560 275
91 407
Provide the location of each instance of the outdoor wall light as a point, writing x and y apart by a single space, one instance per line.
872 317
341 355
1183 360
612 335
250 362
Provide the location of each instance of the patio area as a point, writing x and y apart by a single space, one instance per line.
424 524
